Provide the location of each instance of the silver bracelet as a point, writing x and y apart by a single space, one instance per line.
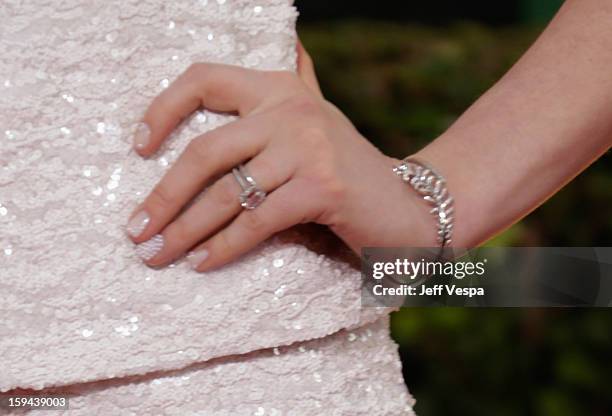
432 187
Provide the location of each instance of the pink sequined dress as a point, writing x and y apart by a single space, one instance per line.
279 332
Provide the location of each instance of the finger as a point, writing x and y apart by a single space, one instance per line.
219 205
205 158
305 69
213 86
283 208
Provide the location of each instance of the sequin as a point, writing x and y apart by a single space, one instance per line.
280 291
123 330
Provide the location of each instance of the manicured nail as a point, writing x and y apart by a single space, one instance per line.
142 136
195 258
150 248
138 223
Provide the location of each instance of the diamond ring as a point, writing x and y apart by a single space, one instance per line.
251 196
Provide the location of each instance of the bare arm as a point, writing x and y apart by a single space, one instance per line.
544 122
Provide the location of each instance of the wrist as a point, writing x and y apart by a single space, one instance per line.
414 224
390 214
474 220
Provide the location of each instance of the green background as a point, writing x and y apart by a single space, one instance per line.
403 82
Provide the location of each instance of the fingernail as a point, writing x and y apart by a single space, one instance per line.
195 258
150 248
142 135
138 223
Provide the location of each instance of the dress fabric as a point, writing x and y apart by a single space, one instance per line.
80 312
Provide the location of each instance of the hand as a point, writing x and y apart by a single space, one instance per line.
298 147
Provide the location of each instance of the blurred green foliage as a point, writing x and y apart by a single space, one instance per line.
506 362
402 85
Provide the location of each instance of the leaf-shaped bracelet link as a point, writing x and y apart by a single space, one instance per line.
432 187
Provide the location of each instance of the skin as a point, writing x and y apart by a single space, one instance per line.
545 121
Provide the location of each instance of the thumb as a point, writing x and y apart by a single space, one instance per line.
305 69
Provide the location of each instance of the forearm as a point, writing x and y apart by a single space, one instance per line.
547 119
